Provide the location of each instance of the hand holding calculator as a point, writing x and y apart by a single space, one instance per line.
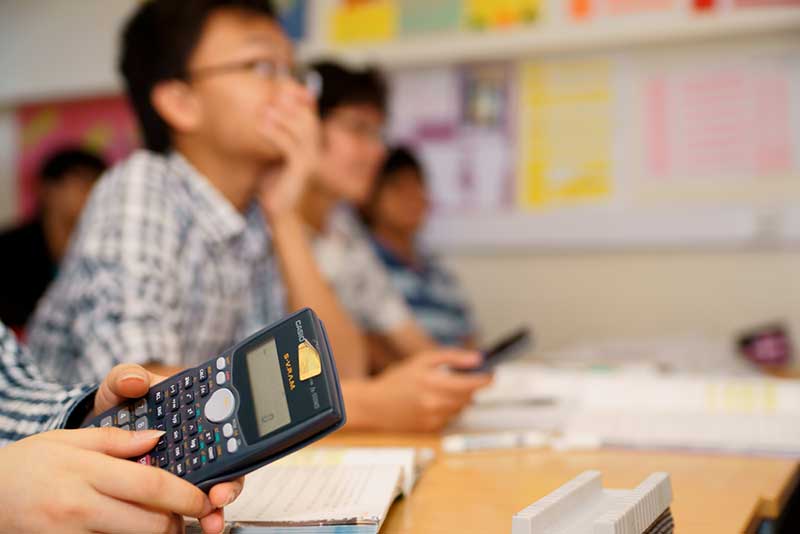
272 394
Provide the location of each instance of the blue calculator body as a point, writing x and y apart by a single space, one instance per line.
272 394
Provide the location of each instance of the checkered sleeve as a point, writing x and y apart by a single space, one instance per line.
114 299
28 404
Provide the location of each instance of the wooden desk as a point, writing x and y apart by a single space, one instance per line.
479 492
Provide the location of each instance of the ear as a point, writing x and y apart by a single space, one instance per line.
177 105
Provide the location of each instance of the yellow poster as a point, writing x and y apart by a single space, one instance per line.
567 133
487 14
359 21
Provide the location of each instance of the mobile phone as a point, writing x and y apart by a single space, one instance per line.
508 348
268 396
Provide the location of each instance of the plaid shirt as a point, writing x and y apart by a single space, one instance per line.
163 268
28 404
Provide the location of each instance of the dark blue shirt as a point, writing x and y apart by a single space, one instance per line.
433 294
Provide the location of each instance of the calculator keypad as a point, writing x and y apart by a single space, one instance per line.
176 406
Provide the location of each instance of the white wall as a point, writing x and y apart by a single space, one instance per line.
574 298
57 48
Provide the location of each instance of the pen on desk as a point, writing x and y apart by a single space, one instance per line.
456 443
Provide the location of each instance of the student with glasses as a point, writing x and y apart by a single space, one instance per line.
192 244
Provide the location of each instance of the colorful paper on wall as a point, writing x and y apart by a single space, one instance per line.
105 125
718 121
458 122
488 14
429 16
292 14
585 9
567 133
359 21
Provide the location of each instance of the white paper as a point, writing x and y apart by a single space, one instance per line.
281 494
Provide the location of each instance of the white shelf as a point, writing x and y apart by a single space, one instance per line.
609 228
561 37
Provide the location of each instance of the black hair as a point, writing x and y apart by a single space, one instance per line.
157 42
343 86
400 158
58 164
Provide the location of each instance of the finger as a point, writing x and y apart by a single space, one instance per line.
459 359
213 523
111 441
225 493
294 124
457 384
112 515
148 486
283 139
126 381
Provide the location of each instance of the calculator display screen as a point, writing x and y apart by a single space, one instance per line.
266 385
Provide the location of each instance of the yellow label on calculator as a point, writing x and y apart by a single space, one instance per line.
309 363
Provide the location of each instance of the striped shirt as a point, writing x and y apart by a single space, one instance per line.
433 294
163 268
28 404
358 278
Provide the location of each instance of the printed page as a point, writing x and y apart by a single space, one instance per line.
286 494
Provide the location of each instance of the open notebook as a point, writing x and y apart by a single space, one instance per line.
321 491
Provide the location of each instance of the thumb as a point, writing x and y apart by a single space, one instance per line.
459 359
123 382
112 441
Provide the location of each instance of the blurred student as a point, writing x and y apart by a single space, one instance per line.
81 480
352 108
176 255
395 214
33 250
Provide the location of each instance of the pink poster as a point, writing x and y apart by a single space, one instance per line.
105 125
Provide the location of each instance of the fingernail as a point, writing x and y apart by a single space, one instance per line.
231 498
130 375
147 435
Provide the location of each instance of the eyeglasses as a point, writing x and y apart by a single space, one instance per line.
360 128
265 69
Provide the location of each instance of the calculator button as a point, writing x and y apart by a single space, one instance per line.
177 435
106 421
173 390
188 397
232 445
195 463
174 404
140 408
160 412
194 444
125 427
220 378
220 405
123 417
161 427
177 452
220 363
144 460
203 390
162 443
187 382
188 413
158 396
227 430
192 428
208 437
180 470
163 460
141 424
175 420
212 454
202 374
